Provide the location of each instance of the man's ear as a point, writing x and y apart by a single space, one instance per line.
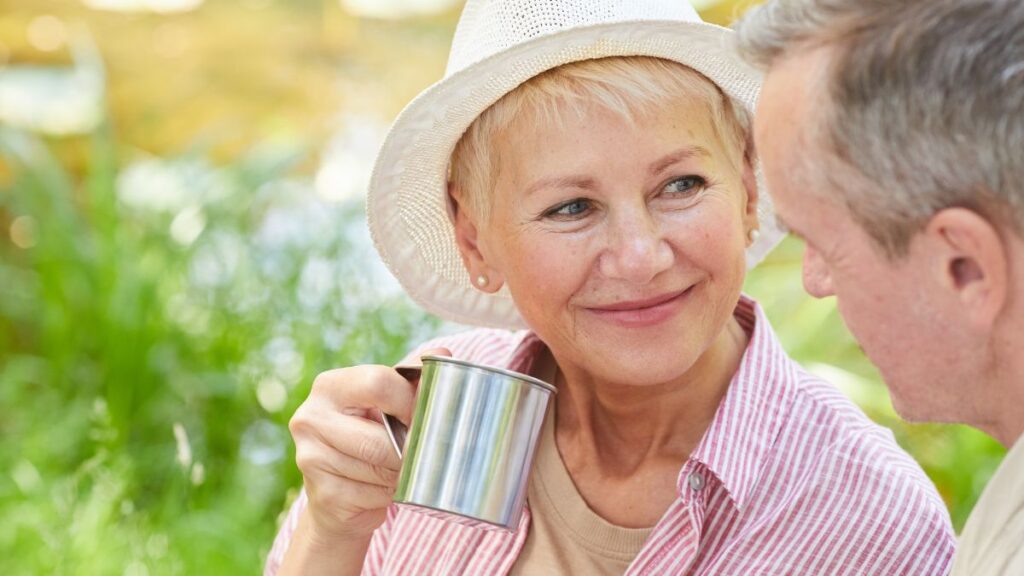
467 238
971 262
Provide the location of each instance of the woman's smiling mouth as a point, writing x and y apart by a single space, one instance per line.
642 313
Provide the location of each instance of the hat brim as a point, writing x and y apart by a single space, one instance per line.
407 208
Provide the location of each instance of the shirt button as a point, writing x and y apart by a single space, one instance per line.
696 482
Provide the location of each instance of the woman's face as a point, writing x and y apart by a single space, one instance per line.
622 243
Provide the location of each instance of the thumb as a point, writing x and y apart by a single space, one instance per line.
440 351
411 366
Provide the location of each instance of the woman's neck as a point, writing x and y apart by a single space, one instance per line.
623 428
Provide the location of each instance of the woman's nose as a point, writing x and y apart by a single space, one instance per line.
817 279
636 250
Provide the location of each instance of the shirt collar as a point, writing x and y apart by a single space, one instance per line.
750 416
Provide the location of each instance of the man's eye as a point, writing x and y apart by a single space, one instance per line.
687 185
569 209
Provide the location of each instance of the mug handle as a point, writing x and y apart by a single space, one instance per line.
397 431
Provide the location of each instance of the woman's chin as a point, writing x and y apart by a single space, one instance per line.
647 371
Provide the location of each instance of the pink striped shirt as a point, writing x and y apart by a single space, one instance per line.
789 478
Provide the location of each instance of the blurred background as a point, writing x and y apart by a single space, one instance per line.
182 250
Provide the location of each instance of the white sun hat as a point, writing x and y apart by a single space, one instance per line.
498 45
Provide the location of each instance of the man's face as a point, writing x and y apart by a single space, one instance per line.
890 306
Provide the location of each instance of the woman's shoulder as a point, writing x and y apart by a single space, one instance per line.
865 453
481 345
828 396
839 472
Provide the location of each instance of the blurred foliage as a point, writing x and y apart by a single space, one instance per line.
149 369
172 281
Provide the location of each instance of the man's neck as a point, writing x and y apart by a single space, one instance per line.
1005 379
1009 426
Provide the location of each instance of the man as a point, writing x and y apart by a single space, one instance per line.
892 138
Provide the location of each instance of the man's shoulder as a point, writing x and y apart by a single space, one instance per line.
993 539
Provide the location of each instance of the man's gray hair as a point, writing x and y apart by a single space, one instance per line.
925 103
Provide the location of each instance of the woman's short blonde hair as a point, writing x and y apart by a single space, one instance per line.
630 86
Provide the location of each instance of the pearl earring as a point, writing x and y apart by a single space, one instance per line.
753 235
481 281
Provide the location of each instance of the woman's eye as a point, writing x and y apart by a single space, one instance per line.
569 209
687 185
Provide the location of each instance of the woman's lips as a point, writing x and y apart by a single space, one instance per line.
640 313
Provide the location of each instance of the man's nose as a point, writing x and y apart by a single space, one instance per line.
817 280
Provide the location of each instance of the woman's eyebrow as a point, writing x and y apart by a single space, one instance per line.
568 181
678 156
587 183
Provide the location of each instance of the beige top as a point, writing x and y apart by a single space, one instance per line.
566 536
992 542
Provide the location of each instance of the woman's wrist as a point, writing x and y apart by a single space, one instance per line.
311 552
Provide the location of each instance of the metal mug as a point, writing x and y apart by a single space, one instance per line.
468 453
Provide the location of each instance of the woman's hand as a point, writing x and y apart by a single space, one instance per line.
348 464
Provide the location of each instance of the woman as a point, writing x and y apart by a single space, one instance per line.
584 171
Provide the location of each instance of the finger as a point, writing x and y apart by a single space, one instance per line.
364 440
318 456
369 387
412 369
440 351
345 496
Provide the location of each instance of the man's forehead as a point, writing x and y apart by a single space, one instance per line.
790 122
796 85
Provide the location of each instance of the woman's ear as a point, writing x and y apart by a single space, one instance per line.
467 238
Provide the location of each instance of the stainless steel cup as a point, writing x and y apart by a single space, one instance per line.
469 451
